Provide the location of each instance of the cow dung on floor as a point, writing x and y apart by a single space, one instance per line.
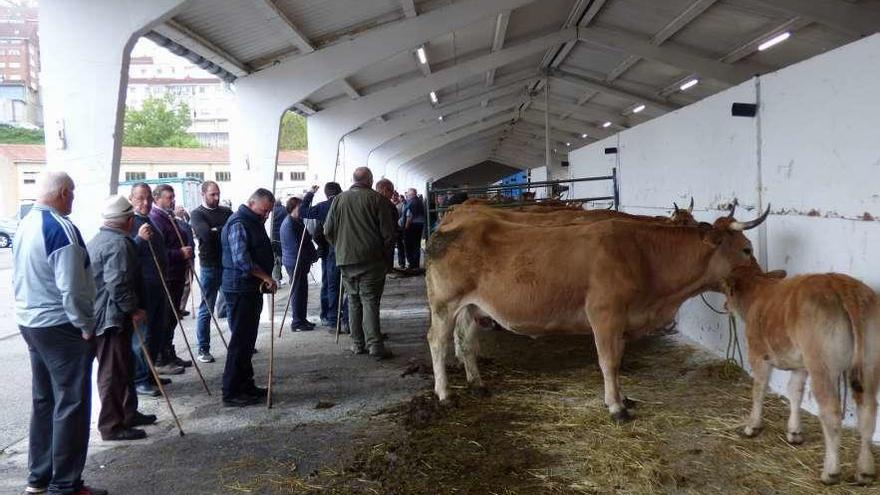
544 429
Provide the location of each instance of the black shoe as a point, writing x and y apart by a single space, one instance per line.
125 434
380 353
303 328
165 381
141 419
258 392
255 351
241 401
184 312
147 390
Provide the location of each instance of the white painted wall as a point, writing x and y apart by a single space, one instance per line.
812 147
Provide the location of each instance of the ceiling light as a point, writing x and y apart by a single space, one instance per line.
606 125
584 136
440 118
434 97
568 144
638 108
423 57
774 41
689 84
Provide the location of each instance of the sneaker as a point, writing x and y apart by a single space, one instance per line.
205 357
169 369
36 489
125 434
241 401
88 490
147 390
141 419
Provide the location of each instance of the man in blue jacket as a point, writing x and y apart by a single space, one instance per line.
55 312
247 259
297 255
329 269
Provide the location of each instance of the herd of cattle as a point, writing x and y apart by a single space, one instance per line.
544 270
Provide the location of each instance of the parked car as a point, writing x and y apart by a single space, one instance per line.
7 231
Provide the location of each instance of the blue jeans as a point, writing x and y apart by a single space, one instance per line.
210 277
330 290
61 369
141 368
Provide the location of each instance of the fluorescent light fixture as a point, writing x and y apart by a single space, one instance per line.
584 136
423 57
434 97
606 125
568 144
689 84
638 108
774 41
440 118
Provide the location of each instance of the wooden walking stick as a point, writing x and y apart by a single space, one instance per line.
177 317
302 239
339 308
192 271
271 349
155 374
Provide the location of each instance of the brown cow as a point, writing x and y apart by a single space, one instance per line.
821 325
613 278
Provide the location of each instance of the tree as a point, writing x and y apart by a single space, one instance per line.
293 132
159 122
18 135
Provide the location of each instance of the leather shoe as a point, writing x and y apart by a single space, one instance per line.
141 419
125 434
147 390
258 392
380 353
241 401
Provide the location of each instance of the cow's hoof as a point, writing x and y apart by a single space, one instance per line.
864 479
750 431
480 391
629 403
830 479
621 416
795 437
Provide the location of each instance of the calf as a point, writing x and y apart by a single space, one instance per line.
822 325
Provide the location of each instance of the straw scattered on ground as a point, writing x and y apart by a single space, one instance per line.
545 430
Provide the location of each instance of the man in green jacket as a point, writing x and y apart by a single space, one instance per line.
360 227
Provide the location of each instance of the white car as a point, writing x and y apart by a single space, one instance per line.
7 231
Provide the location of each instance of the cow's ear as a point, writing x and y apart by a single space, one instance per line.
713 237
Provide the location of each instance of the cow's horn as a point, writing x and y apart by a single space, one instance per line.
676 206
751 223
691 207
732 208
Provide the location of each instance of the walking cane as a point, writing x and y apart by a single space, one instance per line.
177 317
156 377
271 350
339 308
192 270
302 240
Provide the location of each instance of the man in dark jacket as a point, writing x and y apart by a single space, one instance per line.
413 228
278 215
247 260
297 255
386 188
117 309
178 256
361 229
207 222
156 306
329 269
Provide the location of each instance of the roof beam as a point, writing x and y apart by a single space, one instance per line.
422 164
349 89
850 18
497 43
569 78
751 46
349 115
675 25
676 56
568 125
409 8
184 36
592 113
282 25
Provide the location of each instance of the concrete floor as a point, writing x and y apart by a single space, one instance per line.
309 368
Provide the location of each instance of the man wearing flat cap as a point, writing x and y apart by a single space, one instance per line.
117 311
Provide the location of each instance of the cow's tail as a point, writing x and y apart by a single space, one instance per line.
860 304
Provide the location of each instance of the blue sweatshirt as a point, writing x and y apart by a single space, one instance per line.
52 279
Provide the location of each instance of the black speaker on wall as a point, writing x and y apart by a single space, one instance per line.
744 109
563 163
611 151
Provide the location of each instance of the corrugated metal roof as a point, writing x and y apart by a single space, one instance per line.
323 22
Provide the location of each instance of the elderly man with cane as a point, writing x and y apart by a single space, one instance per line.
247 259
361 229
55 311
117 310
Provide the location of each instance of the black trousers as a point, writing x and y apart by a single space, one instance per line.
116 379
61 369
412 239
175 287
243 314
156 306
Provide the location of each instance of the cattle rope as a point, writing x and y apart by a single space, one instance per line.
734 349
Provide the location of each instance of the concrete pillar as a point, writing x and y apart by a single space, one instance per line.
255 127
85 47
